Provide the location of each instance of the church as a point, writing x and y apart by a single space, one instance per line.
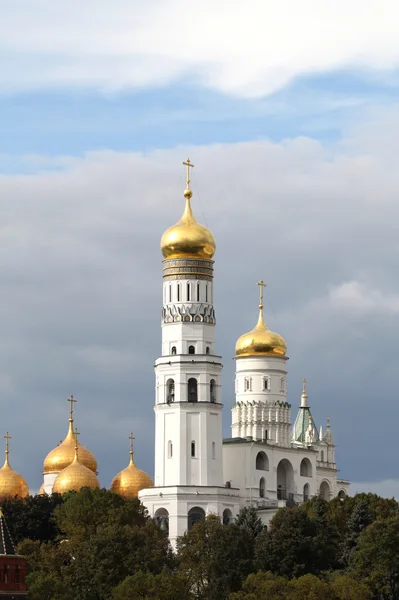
266 463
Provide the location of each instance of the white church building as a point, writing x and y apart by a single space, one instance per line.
267 463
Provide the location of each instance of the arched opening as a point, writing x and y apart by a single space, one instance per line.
161 518
188 292
306 492
170 449
195 515
207 349
262 487
306 468
341 494
191 350
198 292
322 456
192 449
178 292
213 450
227 516
262 462
173 350
285 480
325 490
192 387
170 390
212 390
206 292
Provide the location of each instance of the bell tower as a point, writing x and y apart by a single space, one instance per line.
188 408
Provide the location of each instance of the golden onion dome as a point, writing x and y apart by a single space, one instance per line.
11 483
188 239
131 480
74 477
261 341
63 455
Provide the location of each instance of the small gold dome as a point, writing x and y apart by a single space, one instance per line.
131 480
188 239
75 477
261 341
11 483
63 455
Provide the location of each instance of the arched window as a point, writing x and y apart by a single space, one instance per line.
227 516
195 515
266 383
322 456
173 350
191 350
213 450
207 349
161 518
266 438
170 449
170 391
170 293
178 292
212 390
192 388
198 292
262 487
306 468
192 449
206 292
325 490
262 462
188 292
306 492
341 494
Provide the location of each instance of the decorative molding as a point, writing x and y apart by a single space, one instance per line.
187 268
188 313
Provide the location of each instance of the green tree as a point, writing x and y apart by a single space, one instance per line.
348 588
83 512
262 586
32 517
309 587
47 586
360 519
375 560
248 520
215 558
146 586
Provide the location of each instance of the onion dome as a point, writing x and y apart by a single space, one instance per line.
11 483
131 480
261 341
75 477
188 239
63 455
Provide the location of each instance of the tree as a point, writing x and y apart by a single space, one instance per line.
375 560
32 517
262 586
309 587
360 519
248 520
46 586
83 512
146 586
348 588
215 558
294 545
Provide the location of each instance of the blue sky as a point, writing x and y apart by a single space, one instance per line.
290 112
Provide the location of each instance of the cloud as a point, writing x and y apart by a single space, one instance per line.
80 283
388 488
248 50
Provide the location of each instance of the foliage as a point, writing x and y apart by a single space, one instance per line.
32 517
146 586
215 558
248 520
348 588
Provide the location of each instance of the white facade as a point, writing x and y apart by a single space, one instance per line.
266 463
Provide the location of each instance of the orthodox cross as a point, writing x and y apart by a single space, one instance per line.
131 438
71 400
304 386
261 285
189 166
7 438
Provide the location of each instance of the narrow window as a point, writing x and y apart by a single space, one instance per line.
266 384
170 293
265 435
207 349
206 292
212 390
213 450
173 350
322 456
170 391
198 292
246 384
191 350
178 292
170 449
262 486
192 449
188 292
192 388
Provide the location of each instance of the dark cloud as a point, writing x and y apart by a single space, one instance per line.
80 284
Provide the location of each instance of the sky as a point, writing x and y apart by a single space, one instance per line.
290 112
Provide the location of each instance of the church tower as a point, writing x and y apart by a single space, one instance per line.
188 405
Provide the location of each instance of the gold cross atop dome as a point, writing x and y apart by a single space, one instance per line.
261 285
7 438
131 438
71 401
187 163
304 394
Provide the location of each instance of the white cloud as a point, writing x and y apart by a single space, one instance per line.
358 298
248 49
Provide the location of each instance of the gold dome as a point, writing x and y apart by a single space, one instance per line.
75 477
188 239
11 483
131 480
261 341
63 455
